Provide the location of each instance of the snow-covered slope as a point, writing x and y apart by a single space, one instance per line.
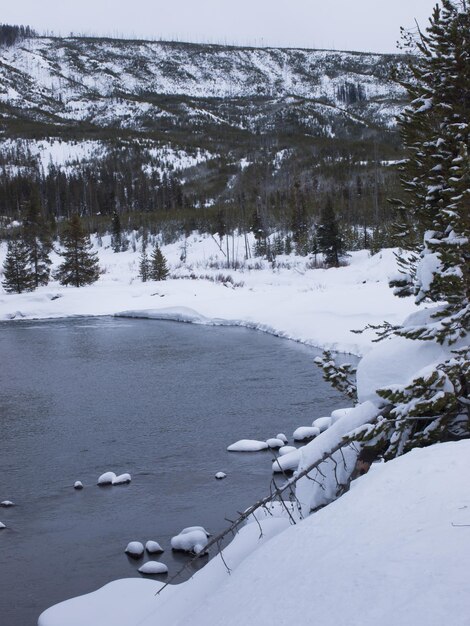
111 82
394 550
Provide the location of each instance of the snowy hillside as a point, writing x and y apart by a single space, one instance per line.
121 83
378 555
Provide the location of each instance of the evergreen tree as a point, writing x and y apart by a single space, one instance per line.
116 233
80 266
16 270
158 265
435 405
330 241
144 264
37 241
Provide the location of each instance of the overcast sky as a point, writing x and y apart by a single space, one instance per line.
370 25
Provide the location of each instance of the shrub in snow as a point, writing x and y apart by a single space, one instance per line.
275 443
107 478
221 475
77 485
134 549
305 432
153 547
247 445
153 567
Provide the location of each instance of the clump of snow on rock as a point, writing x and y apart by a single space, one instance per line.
110 478
193 539
134 549
275 443
322 423
7 503
221 475
288 462
78 485
305 432
153 567
282 437
153 547
248 445
2 525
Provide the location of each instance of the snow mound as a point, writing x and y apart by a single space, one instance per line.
322 423
282 437
286 450
275 443
339 413
7 503
2 525
190 540
221 475
153 567
287 463
134 549
123 479
107 478
153 547
175 314
247 445
78 485
305 432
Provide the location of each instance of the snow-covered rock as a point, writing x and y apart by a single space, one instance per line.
322 423
221 475
123 479
339 413
78 485
282 437
305 432
247 445
153 547
107 478
153 567
2 525
7 503
288 462
193 539
134 549
286 450
275 443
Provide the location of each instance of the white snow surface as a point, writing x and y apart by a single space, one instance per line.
318 307
394 550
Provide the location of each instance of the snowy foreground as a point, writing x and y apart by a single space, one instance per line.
318 307
394 550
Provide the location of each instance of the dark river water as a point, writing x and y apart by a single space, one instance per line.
160 400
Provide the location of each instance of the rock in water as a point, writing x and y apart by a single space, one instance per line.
107 478
77 485
2 526
153 547
134 549
153 567
7 503
123 479
275 443
221 475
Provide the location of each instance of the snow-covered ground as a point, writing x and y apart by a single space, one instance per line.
318 307
394 550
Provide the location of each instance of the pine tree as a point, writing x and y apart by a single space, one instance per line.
435 405
144 264
330 241
158 265
116 233
80 266
37 241
16 269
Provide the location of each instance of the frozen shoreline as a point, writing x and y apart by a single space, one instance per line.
316 307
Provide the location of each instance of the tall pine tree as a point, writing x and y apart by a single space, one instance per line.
80 266
330 241
16 269
37 240
158 265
